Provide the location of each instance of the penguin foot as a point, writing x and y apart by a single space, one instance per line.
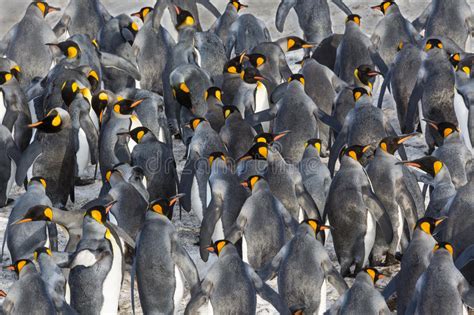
390 260
398 256
9 201
83 181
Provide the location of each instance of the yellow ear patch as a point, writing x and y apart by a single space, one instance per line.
107 175
145 12
467 70
96 215
196 123
386 5
189 21
449 249
302 80
260 61
383 146
253 181
183 87
108 234
357 95
437 166
56 121
103 96
400 46
41 6
232 69
357 20
134 26
48 212
43 182
227 113
72 52
157 208
317 145
263 152
117 108
313 224
21 263
94 75
447 132
426 227
236 5
74 87
428 46
371 273
291 43
218 95
220 246
353 155
140 135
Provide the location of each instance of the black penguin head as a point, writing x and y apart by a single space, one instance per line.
69 90
182 94
45 8
259 151
94 80
270 138
138 133
455 59
142 14
428 164
445 129
374 274
229 110
19 265
252 181
5 77
256 60
464 66
68 48
384 6
184 18
358 92
218 246
366 74
164 206
297 77
38 179
237 5
433 43
99 103
216 155
126 107
353 18
428 225
233 66
391 144
251 75
444 245
114 171
316 225
42 250
16 71
356 151
316 143
52 123
213 91
98 213
294 43
37 213
195 122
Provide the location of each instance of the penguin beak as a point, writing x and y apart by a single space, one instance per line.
431 123
35 125
307 45
244 184
281 135
177 9
21 221
325 227
176 198
244 158
377 7
210 249
373 73
53 9
242 56
11 268
405 138
259 78
439 220
136 14
136 104
3 294
109 206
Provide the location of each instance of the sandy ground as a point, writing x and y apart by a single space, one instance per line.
188 226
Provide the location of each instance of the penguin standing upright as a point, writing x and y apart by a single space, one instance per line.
236 134
8 164
52 156
301 259
159 249
224 22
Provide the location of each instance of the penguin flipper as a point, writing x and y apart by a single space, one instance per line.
282 13
124 236
113 61
210 7
377 60
32 152
341 5
209 221
333 276
266 292
12 151
336 149
376 208
420 22
385 84
412 109
269 270
329 120
92 137
288 219
185 264
279 92
186 183
466 257
391 288
306 202
263 116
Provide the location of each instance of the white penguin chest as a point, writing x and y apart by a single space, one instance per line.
112 282
179 291
82 154
462 114
11 180
3 107
322 300
218 231
245 254
369 237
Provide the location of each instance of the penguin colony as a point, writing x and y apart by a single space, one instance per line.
278 162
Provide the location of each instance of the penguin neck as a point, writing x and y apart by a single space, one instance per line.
219 167
305 229
34 11
364 278
260 185
393 9
422 235
231 11
152 215
92 229
35 187
443 177
27 270
352 27
382 153
283 44
228 250
349 162
311 153
452 138
67 219
186 36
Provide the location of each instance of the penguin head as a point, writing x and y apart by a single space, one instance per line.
259 151
444 245
16 71
214 92
464 66
297 77
359 92
391 144
366 74
237 5
138 133
400 46
384 6
70 89
45 8
164 206
39 180
428 225
52 123
445 129
251 181
143 13
19 265
195 122
182 94
374 274
315 143
433 43
256 60
233 66
37 213
251 75
184 19
269 138
98 213
113 172
215 156
42 250
125 106
455 59
94 80
356 151
428 164
294 43
316 225
100 101
228 110
5 77
68 48
218 246
353 18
